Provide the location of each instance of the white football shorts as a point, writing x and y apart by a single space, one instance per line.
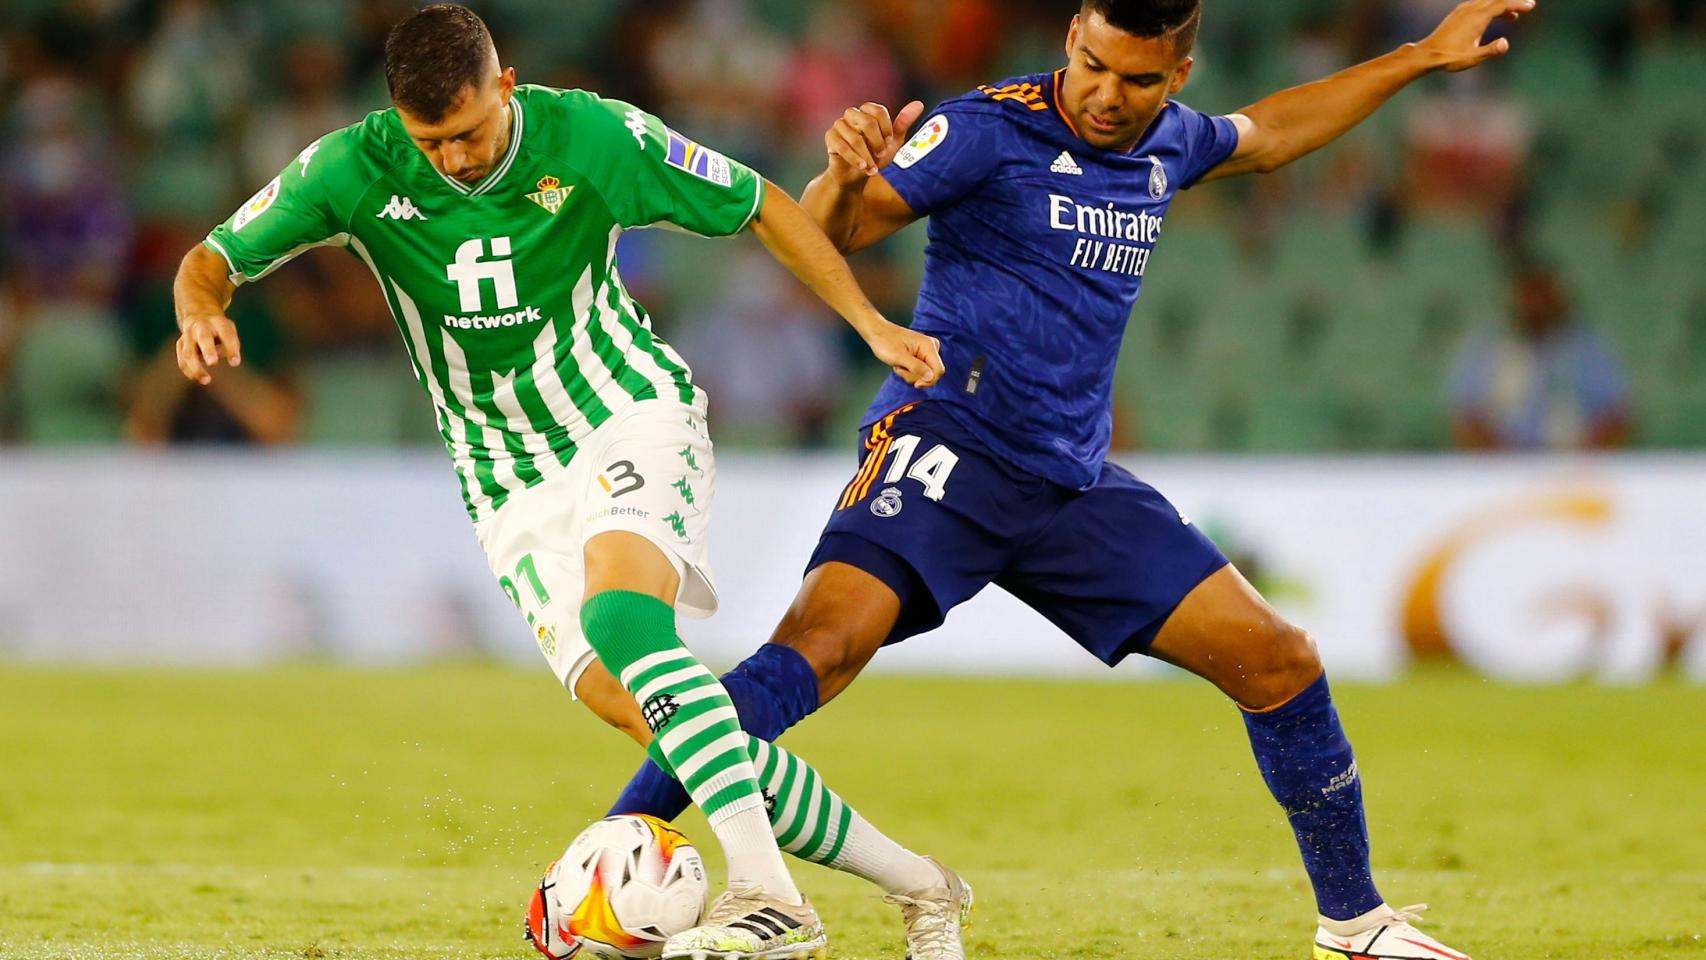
648 470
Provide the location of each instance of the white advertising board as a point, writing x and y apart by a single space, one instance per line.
1537 569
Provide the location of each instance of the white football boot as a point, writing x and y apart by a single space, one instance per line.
747 924
935 916
1380 934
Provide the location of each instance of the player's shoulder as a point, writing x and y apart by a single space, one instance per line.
551 108
570 119
1014 98
1178 113
1002 107
354 153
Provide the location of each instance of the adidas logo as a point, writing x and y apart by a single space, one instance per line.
401 208
1065 164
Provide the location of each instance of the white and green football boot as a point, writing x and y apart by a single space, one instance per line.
935 916
747 924
1380 934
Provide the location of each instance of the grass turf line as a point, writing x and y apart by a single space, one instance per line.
309 812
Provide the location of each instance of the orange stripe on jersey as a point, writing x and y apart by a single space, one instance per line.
873 443
878 444
1059 75
1028 94
882 454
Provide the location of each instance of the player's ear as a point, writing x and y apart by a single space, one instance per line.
1180 75
506 82
1072 35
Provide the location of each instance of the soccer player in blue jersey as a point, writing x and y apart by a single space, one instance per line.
1046 195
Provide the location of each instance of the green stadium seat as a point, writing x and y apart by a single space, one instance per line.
69 362
354 399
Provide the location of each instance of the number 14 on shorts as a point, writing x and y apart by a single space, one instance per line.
931 469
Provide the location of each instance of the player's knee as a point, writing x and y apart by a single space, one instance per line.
835 655
1289 663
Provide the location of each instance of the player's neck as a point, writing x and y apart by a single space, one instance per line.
508 129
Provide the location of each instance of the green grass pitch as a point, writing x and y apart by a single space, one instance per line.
311 812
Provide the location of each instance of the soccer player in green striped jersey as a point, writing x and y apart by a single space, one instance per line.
489 213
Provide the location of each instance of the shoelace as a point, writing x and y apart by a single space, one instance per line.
1410 914
930 926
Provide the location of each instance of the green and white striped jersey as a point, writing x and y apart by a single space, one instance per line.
506 291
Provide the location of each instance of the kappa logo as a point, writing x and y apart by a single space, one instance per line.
887 503
307 155
400 208
635 121
1065 164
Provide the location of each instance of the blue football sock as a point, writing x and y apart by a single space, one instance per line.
1308 765
772 690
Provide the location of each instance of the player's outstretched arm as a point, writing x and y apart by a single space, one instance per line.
1287 125
201 292
798 244
850 200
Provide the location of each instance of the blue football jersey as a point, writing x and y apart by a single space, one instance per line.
1038 245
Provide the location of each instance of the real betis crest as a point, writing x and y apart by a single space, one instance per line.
552 194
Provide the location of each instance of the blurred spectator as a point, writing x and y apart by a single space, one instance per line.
63 221
1548 382
125 121
193 74
257 402
768 355
310 103
720 71
1466 145
838 65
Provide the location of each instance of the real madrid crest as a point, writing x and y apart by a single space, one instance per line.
552 194
1157 178
887 503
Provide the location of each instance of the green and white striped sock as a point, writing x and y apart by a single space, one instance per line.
698 734
814 824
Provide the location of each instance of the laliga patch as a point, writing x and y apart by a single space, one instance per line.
702 162
928 138
256 206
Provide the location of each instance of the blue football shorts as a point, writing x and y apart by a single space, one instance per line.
937 518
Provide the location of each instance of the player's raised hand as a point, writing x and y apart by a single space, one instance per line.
1456 42
865 139
203 341
914 356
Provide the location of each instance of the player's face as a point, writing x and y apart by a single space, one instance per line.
1116 83
467 141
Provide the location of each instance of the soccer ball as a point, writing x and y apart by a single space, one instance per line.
622 888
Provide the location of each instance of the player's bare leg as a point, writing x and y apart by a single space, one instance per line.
838 622
1224 632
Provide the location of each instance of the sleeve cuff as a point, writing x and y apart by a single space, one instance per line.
757 203
232 273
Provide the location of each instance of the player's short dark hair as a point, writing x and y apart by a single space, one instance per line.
1175 20
433 55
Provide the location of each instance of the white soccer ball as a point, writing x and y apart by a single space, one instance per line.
622 888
